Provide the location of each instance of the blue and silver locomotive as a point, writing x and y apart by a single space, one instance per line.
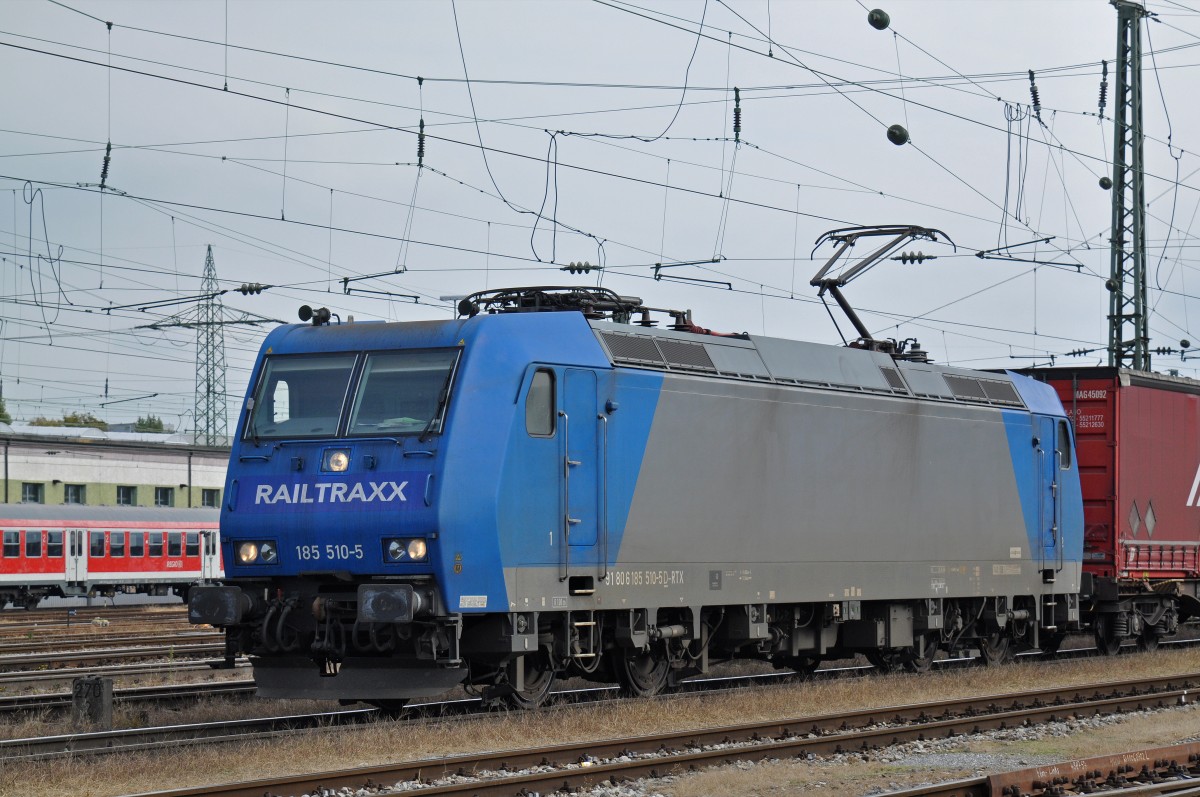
551 485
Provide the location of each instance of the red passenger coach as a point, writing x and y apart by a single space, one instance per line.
1138 440
80 550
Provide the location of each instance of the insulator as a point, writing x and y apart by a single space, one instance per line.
1036 98
421 142
582 267
914 257
737 114
1103 86
249 288
104 167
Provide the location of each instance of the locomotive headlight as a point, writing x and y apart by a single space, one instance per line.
267 553
405 550
247 553
395 550
336 461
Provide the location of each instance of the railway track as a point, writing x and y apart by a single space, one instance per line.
164 694
168 693
189 692
83 658
572 766
41 678
31 646
1158 771
13 623
62 613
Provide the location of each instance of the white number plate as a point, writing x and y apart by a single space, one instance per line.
316 553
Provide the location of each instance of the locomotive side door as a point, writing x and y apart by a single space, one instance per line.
1052 450
76 555
581 468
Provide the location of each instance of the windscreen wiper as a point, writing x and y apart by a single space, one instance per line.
441 403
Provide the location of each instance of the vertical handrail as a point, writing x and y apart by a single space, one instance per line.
566 495
604 498
1058 532
1041 479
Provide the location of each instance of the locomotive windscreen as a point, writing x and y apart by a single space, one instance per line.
402 392
300 396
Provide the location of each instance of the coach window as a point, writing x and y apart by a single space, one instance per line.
12 544
74 494
164 496
116 543
97 547
1064 446
174 543
156 543
539 405
54 544
210 498
193 543
126 495
33 544
33 493
137 548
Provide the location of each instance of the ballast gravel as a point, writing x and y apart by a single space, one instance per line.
940 755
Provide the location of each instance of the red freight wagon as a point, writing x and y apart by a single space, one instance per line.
1138 440
80 550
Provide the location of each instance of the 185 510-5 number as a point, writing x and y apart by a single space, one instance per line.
314 553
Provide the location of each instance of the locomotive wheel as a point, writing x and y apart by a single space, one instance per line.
996 649
391 708
1148 640
913 662
886 660
804 666
1051 642
643 674
539 679
1107 642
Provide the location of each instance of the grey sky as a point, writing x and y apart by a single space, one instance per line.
812 156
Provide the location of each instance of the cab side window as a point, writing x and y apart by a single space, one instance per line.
539 405
1064 446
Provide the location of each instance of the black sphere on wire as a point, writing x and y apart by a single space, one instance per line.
878 19
897 135
1106 182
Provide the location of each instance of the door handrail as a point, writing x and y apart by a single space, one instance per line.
566 495
603 497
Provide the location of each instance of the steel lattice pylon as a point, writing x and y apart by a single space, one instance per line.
212 425
1128 313
209 318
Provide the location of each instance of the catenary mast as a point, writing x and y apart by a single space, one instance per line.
212 424
1128 315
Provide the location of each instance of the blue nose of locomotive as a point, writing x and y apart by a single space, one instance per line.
334 469
340 506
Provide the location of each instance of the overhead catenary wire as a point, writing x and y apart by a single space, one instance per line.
488 246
